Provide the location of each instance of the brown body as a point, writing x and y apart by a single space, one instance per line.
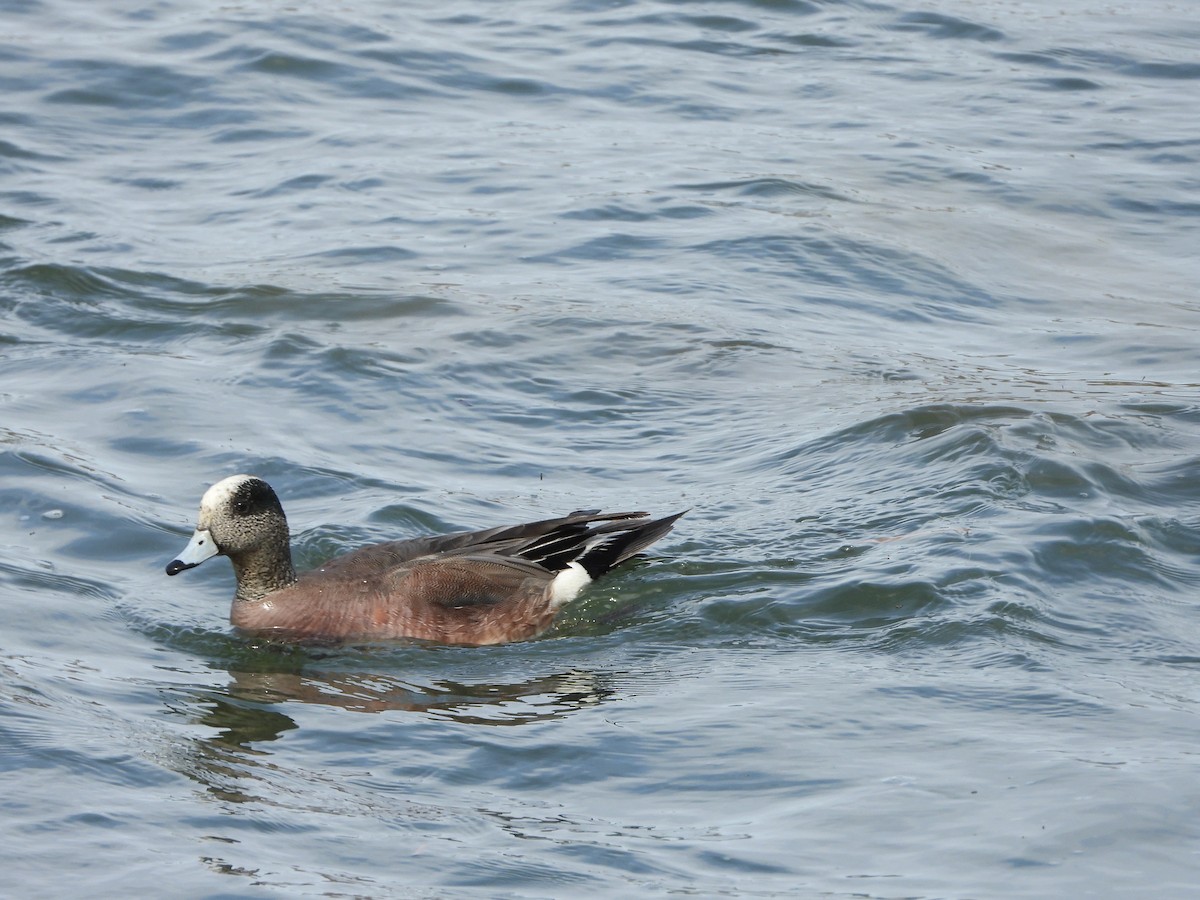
365 596
484 587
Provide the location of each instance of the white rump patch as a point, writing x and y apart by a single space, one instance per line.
567 584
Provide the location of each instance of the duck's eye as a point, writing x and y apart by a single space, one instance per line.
241 507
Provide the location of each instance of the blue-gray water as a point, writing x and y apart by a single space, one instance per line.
900 300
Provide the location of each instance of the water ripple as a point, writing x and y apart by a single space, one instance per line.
896 300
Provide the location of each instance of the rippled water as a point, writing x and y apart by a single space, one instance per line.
901 301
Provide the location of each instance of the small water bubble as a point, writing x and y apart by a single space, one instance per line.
52 514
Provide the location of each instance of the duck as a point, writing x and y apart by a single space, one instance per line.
468 587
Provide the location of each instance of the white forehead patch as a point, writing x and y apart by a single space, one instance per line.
219 495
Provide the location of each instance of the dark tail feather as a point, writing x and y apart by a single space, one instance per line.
610 552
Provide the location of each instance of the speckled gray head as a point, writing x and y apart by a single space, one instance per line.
237 515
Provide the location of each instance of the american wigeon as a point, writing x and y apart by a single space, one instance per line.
472 587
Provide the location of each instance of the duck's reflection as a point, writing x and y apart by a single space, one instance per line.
249 710
513 703
233 766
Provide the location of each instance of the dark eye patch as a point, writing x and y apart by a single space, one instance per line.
255 496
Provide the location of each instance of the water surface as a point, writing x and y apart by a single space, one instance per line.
900 301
